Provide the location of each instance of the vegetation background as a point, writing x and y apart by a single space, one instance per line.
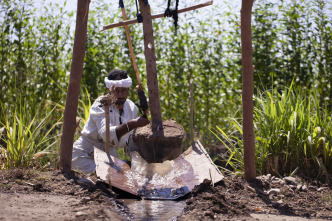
292 43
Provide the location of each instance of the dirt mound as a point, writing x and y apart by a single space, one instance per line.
234 199
211 201
27 195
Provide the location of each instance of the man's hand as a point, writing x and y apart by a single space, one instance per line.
132 124
141 121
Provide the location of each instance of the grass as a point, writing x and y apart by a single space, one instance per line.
234 146
327 198
84 107
2 185
293 134
26 141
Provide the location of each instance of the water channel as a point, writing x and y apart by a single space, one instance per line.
154 209
158 174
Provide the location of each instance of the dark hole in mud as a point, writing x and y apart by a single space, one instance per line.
159 146
121 194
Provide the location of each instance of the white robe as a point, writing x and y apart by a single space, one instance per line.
94 134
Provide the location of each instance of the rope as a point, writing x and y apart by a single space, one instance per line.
168 11
121 5
175 15
172 13
143 103
138 14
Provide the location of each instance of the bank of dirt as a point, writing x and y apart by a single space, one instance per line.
51 195
266 198
32 195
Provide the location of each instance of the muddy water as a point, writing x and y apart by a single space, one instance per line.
154 209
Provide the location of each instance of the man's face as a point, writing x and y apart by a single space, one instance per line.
120 94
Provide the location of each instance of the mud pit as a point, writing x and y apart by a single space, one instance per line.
161 145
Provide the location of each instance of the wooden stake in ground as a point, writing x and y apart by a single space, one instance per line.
151 68
247 91
73 90
191 96
107 141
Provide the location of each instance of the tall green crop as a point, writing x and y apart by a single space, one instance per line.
25 140
293 133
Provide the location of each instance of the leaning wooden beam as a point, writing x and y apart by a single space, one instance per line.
124 16
73 90
133 21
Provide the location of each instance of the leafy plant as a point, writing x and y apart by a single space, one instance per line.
24 140
293 133
234 145
84 107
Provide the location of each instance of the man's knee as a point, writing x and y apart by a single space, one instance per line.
85 164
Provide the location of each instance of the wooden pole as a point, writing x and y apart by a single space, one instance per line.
107 117
161 15
131 49
151 68
191 95
73 90
247 91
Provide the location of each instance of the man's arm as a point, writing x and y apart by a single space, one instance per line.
124 128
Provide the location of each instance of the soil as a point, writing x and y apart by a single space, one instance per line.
236 199
159 146
26 195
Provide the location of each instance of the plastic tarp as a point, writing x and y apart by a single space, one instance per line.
167 180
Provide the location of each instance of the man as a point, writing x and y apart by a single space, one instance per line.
123 119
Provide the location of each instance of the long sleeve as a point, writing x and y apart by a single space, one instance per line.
95 127
101 128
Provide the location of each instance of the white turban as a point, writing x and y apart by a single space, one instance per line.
118 83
